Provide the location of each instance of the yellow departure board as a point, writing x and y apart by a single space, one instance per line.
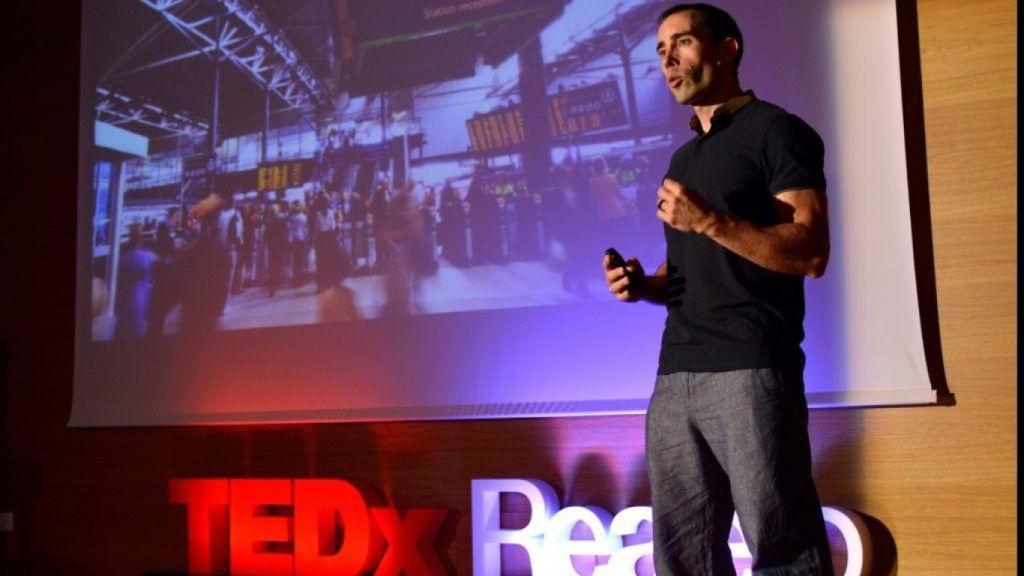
575 111
279 175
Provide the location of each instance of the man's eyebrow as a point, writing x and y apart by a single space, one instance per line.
673 38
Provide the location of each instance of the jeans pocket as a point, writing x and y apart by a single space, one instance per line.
770 380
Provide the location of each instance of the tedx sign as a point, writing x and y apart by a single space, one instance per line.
321 527
547 538
303 527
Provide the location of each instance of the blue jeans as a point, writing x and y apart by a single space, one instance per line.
725 442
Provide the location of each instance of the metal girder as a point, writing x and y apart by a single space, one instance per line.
116 109
623 31
247 40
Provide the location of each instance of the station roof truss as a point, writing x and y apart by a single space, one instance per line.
248 40
238 32
117 109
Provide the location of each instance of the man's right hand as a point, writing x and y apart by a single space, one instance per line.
626 283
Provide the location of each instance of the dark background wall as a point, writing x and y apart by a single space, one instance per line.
939 481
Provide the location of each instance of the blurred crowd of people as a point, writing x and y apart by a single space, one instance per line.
592 213
226 249
201 258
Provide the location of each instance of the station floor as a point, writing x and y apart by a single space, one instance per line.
451 289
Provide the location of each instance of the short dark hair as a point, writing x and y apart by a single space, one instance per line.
717 21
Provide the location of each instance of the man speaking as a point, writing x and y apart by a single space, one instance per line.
744 211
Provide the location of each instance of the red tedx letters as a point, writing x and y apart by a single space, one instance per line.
305 527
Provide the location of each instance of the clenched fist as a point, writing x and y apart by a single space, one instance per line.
684 209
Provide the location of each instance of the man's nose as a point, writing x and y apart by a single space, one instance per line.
669 60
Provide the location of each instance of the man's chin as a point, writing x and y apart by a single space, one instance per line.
683 98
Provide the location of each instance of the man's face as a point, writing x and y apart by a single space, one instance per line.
688 56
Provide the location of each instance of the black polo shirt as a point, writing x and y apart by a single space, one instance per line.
724 311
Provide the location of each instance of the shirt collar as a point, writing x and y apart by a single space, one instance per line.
723 112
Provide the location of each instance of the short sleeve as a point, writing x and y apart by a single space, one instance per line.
793 155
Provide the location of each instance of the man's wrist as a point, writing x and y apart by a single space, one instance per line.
716 225
653 289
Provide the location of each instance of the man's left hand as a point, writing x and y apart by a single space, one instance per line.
684 209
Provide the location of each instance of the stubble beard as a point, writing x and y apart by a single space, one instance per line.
687 91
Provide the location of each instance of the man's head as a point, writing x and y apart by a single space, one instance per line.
700 48
134 234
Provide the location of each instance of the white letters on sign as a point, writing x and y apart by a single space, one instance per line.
546 538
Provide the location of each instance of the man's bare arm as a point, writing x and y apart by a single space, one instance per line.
798 245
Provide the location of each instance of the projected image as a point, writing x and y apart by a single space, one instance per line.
262 163
359 210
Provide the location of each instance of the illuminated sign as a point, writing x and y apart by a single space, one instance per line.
319 527
584 109
494 130
569 112
546 536
308 527
412 17
196 171
280 175
198 166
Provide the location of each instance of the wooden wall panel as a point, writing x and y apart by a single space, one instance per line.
941 481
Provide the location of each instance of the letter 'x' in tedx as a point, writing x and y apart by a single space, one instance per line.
410 541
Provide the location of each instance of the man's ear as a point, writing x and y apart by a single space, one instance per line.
727 50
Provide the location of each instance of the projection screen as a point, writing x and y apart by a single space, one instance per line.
347 210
